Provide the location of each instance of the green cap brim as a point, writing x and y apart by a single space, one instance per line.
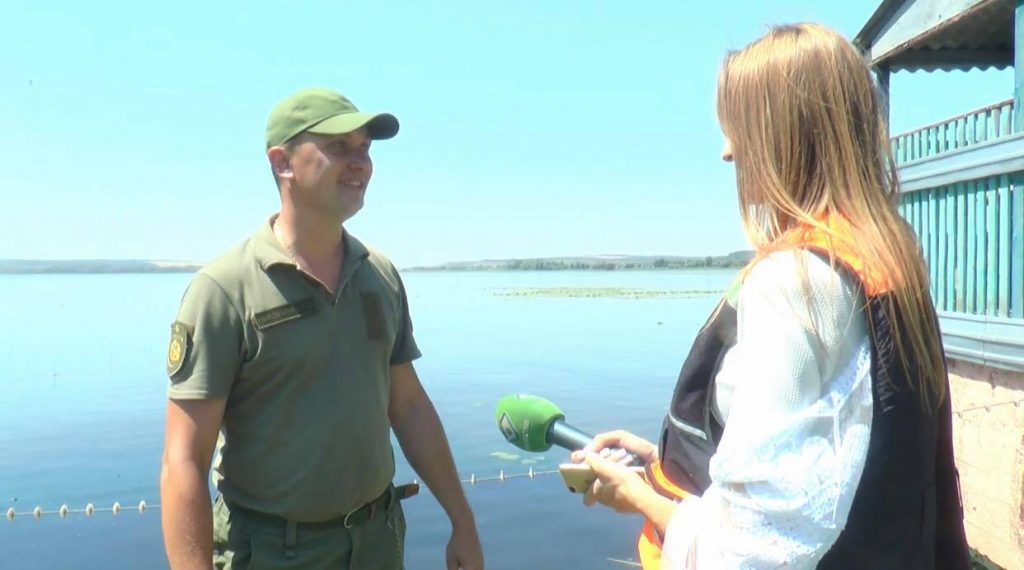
378 125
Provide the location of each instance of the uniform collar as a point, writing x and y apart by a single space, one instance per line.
269 252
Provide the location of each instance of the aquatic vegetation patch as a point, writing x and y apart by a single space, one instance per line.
504 456
604 292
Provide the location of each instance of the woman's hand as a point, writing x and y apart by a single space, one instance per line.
617 486
634 444
625 490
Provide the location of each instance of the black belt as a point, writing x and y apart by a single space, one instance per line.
353 518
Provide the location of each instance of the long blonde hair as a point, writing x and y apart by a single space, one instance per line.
810 143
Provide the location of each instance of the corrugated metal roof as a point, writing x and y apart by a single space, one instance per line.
980 36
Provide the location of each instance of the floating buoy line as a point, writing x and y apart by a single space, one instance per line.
90 509
142 507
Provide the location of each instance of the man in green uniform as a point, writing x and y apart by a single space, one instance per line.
296 349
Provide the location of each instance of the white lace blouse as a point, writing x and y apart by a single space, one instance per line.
797 412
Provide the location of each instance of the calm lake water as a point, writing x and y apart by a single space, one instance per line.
82 390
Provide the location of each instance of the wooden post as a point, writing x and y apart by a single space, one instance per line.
1018 65
1017 238
882 74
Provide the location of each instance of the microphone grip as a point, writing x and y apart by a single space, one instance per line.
564 435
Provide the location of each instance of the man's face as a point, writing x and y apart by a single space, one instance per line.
331 172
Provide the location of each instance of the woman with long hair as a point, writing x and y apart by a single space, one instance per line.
811 424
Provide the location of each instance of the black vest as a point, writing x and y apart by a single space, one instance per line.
906 514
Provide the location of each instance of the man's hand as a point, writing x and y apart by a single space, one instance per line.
464 550
421 435
191 436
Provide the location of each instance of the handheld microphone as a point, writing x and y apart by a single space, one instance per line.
532 423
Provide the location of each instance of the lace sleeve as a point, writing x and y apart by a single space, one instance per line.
796 438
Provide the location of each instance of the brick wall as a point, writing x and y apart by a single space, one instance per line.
988 428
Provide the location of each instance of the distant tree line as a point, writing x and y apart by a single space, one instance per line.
733 260
659 263
28 266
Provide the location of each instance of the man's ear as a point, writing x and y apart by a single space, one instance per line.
280 162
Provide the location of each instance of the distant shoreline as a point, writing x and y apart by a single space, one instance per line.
93 266
511 269
733 260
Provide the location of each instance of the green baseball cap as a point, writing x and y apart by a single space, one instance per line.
324 111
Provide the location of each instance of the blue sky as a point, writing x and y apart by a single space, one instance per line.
529 129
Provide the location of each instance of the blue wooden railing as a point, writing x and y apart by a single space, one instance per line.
966 231
962 185
976 127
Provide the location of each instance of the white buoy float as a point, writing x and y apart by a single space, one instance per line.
89 509
116 508
142 507
63 511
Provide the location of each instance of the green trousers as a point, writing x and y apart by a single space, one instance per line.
243 540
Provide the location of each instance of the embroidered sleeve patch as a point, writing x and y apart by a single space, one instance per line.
181 342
